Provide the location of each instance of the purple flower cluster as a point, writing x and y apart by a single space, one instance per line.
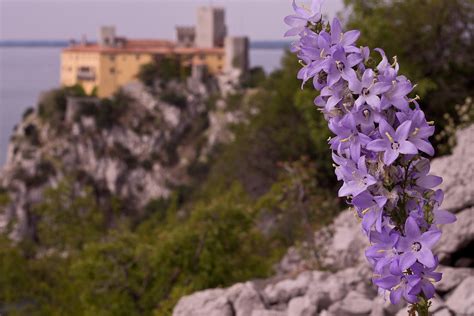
380 136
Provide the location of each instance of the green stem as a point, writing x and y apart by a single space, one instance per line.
421 308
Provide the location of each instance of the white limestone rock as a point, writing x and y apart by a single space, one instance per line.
244 298
452 277
264 312
355 304
456 235
283 291
205 303
443 312
457 171
382 306
301 306
461 300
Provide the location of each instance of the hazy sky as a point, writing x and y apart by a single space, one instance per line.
65 19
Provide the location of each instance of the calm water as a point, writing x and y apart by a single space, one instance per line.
26 72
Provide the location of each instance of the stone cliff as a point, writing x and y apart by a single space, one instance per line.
331 277
138 146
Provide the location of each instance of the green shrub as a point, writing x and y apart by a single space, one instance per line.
136 274
174 99
254 78
163 69
109 111
28 112
52 107
68 217
32 134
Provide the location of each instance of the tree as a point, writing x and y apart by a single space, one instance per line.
68 217
432 39
136 273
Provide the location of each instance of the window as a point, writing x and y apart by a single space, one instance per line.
85 73
137 56
112 70
112 57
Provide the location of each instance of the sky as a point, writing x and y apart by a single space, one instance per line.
66 19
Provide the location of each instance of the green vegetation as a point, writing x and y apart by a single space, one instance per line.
268 189
253 78
162 70
174 98
106 112
265 191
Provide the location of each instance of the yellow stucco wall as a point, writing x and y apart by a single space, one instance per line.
70 64
119 69
113 70
213 61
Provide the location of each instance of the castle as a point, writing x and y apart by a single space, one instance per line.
114 61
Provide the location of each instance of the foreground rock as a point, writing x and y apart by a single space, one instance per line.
458 172
344 287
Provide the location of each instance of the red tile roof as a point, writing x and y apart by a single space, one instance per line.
143 46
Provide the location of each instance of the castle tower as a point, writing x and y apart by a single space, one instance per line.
210 29
236 53
185 36
107 36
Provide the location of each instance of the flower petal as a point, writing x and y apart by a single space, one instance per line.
407 260
407 147
428 289
389 156
411 228
378 145
443 217
402 131
430 238
429 181
387 282
425 256
350 37
423 146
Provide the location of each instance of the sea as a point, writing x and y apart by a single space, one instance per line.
28 70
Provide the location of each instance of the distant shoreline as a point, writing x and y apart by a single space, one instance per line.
63 43
31 43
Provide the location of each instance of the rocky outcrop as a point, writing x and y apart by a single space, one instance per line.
341 286
139 148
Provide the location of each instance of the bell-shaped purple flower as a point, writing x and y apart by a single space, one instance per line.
421 130
397 283
421 176
348 137
370 208
356 179
332 96
382 251
393 143
422 279
302 17
368 89
339 65
346 40
396 95
417 246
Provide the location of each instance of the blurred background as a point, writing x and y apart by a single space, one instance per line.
150 149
